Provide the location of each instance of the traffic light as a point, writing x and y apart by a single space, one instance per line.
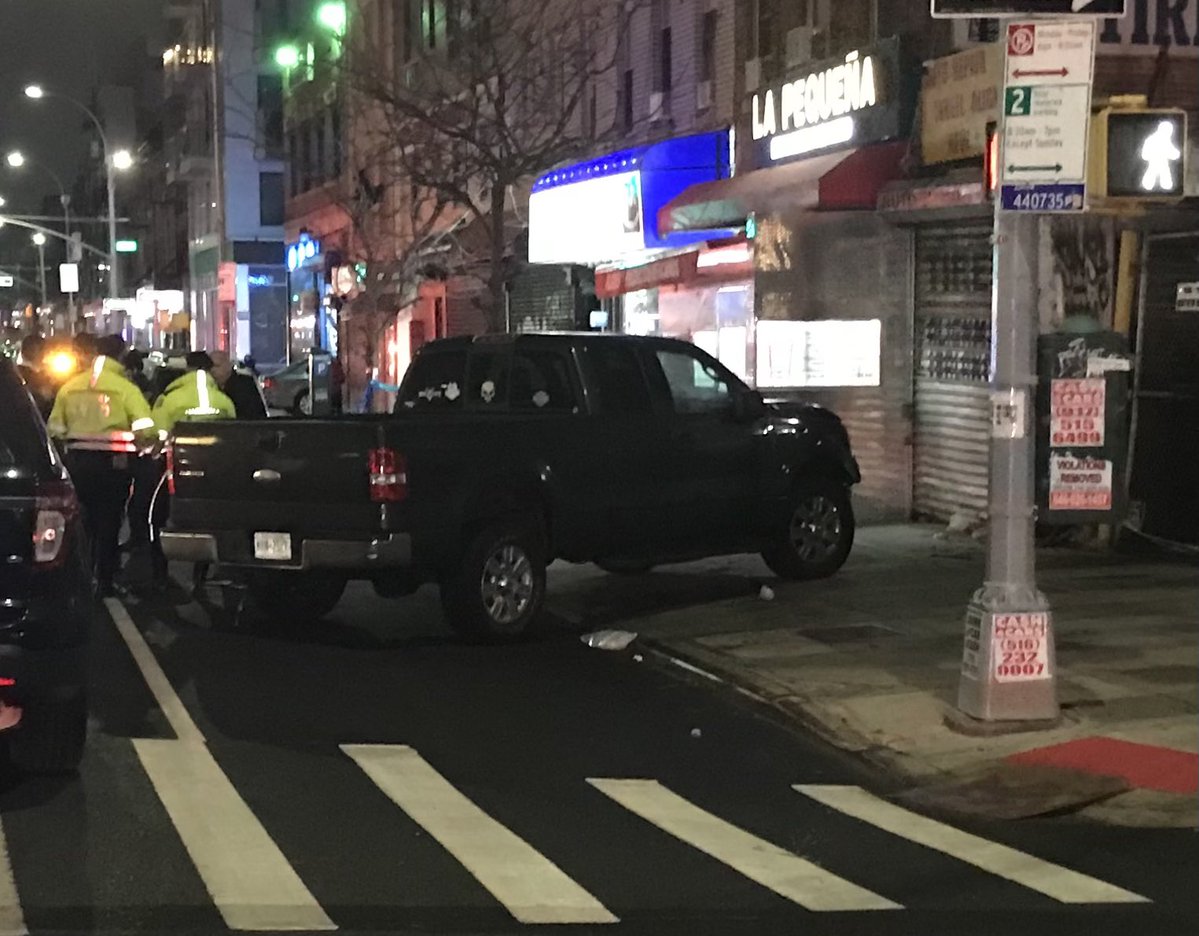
1138 154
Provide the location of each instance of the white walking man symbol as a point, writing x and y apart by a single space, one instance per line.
1160 152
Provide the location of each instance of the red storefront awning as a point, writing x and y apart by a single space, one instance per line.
838 181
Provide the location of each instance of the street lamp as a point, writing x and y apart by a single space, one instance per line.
111 165
39 240
16 159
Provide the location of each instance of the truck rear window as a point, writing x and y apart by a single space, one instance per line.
435 380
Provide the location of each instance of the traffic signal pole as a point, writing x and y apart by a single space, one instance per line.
1009 666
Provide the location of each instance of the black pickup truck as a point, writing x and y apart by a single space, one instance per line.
503 454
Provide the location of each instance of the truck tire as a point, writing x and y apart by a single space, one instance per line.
51 736
291 596
497 592
818 535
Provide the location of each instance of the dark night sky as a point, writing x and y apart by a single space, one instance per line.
70 45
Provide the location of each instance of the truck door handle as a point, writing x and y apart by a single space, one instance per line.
267 476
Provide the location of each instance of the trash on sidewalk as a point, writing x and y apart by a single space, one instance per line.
609 639
766 593
696 733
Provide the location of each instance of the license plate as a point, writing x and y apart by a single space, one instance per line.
274 547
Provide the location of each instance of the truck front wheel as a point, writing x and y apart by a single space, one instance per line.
497 592
818 536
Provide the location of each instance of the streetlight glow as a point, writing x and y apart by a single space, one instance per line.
332 16
40 239
16 159
35 91
287 57
122 160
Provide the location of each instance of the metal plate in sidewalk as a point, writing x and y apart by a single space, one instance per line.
850 633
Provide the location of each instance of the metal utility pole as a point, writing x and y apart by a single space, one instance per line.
1009 668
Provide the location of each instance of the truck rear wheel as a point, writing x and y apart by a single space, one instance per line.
288 596
51 736
497 592
818 536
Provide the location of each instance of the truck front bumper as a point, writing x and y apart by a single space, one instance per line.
387 552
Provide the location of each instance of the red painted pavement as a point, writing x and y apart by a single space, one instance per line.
1142 765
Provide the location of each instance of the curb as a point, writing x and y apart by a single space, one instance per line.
796 709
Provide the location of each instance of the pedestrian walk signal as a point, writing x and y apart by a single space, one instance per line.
1140 155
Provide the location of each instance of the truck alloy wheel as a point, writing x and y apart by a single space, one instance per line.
818 535
497 593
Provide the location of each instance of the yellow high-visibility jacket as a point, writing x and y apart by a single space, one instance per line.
194 396
101 409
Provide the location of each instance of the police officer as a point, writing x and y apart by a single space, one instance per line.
193 397
102 420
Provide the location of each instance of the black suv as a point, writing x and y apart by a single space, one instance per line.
45 599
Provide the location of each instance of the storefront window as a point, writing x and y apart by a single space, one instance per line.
819 354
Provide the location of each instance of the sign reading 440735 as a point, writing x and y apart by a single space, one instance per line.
975 8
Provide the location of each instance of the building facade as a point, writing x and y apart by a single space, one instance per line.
224 145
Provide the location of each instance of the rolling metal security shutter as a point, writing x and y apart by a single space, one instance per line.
952 361
542 299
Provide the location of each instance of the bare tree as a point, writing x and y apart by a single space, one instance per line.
472 99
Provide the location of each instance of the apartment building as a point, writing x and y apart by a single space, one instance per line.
223 142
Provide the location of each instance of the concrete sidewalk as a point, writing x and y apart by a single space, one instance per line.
870 659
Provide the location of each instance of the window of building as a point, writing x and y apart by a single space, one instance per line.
626 101
707 46
335 143
665 60
270 111
270 198
293 162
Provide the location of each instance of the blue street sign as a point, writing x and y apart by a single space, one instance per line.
1046 198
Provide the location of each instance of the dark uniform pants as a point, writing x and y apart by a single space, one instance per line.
102 483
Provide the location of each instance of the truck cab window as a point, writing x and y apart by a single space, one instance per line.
697 387
540 383
617 380
435 380
487 379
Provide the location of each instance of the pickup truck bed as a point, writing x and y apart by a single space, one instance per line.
502 455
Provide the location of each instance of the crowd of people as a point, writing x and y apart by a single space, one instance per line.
112 422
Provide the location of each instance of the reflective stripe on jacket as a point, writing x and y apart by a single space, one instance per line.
194 396
101 410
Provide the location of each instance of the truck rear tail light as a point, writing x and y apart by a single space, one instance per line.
389 476
56 508
170 453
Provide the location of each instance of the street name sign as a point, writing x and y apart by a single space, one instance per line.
962 9
1048 73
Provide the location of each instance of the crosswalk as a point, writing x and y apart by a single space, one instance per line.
254 886
424 811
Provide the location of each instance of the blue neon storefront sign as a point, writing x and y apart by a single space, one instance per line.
301 252
607 208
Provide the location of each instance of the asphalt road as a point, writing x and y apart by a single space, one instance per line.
372 774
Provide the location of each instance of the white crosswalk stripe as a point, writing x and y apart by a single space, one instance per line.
12 919
529 885
1047 878
783 872
250 881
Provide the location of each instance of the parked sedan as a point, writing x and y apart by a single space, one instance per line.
288 390
45 592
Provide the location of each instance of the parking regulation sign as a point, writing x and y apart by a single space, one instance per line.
970 9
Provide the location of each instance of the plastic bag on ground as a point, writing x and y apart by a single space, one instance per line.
609 639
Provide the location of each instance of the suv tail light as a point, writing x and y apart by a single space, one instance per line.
389 476
56 508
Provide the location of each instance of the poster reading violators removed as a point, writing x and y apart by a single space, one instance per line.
1079 483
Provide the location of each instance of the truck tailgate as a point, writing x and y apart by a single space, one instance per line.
292 475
